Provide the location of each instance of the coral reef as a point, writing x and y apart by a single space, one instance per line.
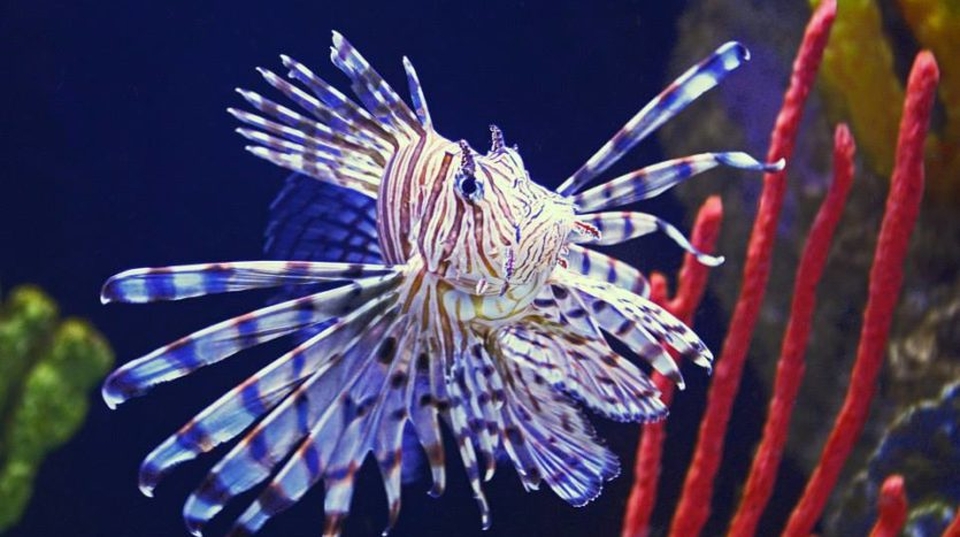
924 447
862 86
863 72
886 279
46 369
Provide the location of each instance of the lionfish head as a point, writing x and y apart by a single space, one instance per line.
496 228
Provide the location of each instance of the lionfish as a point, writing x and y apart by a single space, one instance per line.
457 291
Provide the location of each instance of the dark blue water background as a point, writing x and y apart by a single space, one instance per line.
116 152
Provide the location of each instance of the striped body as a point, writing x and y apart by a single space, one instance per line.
490 256
464 294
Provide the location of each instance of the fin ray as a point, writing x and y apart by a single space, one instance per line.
684 90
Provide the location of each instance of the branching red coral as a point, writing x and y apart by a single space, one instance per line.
886 276
953 530
692 282
694 507
893 508
790 368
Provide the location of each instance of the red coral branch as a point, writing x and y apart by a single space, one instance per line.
953 530
694 507
692 282
893 508
886 276
790 368
692 277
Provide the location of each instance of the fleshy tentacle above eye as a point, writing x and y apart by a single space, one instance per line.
684 90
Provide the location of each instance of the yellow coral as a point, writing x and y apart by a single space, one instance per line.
936 25
862 88
857 69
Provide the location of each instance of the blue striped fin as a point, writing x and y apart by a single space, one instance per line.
233 412
312 405
186 281
459 420
320 138
347 169
548 439
608 269
667 328
359 122
312 220
483 376
320 111
617 227
587 369
477 409
653 180
381 386
388 447
610 303
609 307
684 90
308 165
337 443
224 339
416 94
304 145
306 129
427 398
378 97
609 384
573 313
342 128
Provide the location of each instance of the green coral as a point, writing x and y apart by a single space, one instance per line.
46 369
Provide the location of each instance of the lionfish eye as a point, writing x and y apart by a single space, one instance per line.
469 187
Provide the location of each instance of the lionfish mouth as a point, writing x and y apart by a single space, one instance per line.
382 358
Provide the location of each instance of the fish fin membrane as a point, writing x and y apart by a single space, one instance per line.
545 434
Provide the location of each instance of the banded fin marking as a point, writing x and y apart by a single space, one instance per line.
416 94
547 438
374 92
313 404
357 121
226 338
681 92
619 227
655 179
188 281
233 412
597 265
